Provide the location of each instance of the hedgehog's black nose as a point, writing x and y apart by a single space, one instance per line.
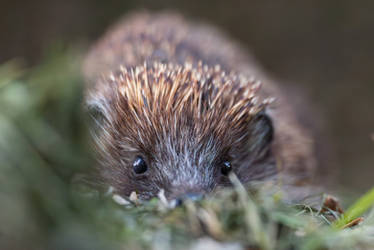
178 202
189 196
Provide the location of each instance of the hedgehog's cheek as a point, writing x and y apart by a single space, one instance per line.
261 168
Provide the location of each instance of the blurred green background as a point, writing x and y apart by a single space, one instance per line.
323 46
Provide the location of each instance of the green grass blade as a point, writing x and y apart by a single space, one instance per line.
357 209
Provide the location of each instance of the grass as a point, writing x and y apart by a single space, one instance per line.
44 145
356 210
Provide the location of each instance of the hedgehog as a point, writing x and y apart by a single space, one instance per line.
177 106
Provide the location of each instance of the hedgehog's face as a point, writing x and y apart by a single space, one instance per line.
178 166
171 129
191 165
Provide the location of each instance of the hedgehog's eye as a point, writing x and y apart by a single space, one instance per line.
139 165
226 168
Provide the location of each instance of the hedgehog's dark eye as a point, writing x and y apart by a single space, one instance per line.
139 165
226 168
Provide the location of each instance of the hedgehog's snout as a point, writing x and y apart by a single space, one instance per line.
182 193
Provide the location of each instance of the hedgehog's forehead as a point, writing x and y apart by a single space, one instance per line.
171 101
155 81
172 88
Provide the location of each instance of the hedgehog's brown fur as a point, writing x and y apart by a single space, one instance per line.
183 96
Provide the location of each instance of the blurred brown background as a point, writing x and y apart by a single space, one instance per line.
325 46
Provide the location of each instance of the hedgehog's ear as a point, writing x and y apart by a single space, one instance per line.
260 134
96 114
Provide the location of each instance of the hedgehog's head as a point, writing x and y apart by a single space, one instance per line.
180 129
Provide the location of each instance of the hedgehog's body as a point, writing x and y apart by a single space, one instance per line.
180 108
